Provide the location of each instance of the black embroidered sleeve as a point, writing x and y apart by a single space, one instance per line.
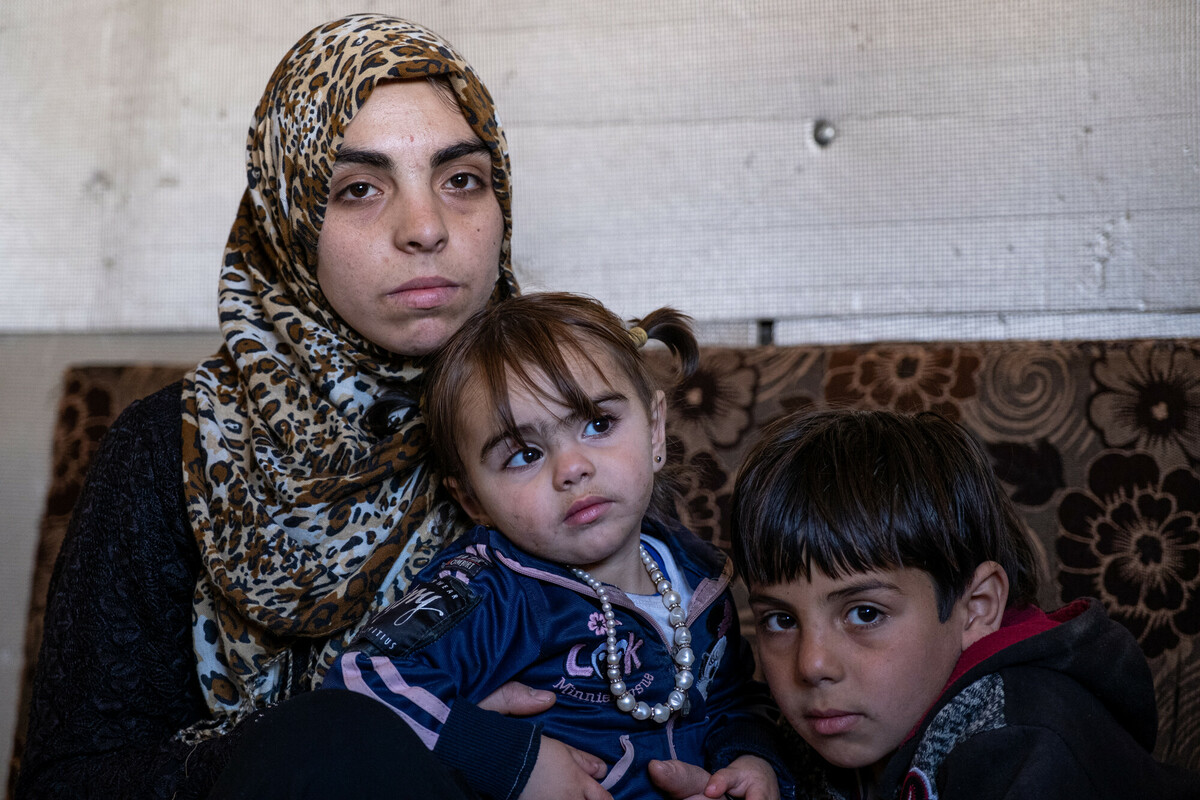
116 676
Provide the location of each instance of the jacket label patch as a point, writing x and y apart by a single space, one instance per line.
466 566
420 617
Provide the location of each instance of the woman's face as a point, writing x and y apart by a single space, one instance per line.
410 245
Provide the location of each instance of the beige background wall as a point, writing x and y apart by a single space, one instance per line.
1028 169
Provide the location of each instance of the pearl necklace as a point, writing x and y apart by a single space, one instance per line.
682 654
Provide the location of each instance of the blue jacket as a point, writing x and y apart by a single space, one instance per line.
512 616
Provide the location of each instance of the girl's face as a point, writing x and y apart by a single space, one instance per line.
575 492
410 245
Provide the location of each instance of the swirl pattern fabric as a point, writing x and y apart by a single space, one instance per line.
306 522
1110 492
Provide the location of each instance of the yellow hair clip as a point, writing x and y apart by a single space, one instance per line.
638 335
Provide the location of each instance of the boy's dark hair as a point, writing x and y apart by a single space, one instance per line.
528 334
850 491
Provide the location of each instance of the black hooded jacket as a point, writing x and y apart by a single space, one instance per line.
1056 705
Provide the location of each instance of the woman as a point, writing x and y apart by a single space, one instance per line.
376 219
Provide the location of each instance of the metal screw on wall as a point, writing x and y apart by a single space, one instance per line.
823 132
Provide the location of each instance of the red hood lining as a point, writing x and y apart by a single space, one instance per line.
1017 625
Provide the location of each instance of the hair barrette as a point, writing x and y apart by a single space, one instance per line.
638 334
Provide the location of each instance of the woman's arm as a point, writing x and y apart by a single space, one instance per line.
116 675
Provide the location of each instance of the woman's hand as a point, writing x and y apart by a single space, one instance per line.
564 773
561 771
518 700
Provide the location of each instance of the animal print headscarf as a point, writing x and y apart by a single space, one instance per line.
306 522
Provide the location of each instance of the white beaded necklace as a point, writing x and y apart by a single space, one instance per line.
681 636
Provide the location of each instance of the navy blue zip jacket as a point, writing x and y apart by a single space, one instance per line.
484 613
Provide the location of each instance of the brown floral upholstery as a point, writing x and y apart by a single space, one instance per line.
1097 442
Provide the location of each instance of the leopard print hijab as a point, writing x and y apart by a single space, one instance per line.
306 522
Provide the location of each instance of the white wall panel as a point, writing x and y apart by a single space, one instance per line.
1035 158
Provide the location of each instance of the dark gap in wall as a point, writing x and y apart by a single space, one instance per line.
766 331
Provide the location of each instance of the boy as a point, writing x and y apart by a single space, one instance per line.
893 592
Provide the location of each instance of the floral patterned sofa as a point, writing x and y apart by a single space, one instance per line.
1097 442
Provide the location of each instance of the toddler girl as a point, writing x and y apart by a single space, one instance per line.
549 429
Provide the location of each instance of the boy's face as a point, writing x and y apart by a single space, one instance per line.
855 662
577 490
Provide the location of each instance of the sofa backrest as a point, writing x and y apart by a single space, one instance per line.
1098 443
